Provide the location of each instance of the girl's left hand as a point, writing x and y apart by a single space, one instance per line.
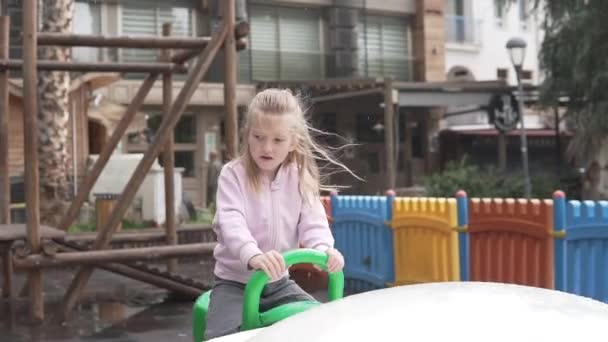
335 262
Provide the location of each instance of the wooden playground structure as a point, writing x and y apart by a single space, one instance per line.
35 247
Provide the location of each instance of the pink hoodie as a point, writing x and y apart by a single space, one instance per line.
248 223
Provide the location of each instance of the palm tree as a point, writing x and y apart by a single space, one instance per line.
54 158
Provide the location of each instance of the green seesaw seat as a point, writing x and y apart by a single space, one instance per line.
252 318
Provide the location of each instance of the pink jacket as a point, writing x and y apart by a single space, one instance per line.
248 223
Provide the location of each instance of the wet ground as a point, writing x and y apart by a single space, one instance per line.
114 308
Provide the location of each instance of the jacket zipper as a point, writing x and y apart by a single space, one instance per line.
273 237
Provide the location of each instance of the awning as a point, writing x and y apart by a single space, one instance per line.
109 113
493 132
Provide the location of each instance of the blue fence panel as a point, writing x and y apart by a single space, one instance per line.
462 202
361 234
586 249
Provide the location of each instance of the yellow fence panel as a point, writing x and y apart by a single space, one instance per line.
425 240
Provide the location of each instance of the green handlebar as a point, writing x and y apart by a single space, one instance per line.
255 286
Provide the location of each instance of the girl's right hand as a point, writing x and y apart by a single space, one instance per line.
272 263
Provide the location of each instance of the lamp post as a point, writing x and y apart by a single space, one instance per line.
517 52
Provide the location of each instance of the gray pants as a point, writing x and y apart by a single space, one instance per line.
225 311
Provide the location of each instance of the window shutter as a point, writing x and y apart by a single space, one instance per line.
370 44
300 46
383 44
395 48
285 43
141 18
264 43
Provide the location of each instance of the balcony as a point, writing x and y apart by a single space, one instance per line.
463 30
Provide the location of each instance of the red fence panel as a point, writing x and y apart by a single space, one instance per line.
511 241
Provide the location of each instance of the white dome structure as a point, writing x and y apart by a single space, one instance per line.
453 311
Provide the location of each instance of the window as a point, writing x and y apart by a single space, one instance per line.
502 74
184 137
383 45
526 75
87 20
146 18
13 8
523 14
370 128
499 12
285 43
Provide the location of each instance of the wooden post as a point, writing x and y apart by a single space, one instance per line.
166 127
230 80
5 185
389 132
30 129
87 184
502 151
169 158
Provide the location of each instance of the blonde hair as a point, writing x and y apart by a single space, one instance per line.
306 151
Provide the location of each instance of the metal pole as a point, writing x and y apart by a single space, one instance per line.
524 140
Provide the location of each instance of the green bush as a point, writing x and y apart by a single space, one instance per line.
487 182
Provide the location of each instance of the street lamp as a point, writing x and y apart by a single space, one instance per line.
517 52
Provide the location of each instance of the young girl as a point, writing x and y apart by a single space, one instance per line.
268 203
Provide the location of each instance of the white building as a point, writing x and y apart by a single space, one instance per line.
476 34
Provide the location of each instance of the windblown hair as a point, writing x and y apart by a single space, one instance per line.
306 152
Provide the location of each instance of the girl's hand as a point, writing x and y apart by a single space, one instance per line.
335 262
272 263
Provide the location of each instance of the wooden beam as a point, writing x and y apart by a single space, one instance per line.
182 56
30 128
139 42
89 181
5 185
166 127
241 30
116 255
169 158
230 80
15 64
147 277
389 133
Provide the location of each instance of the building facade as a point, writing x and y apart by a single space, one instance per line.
346 45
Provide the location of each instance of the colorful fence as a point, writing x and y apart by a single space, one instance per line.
361 234
582 247
425 240
552 244
511 241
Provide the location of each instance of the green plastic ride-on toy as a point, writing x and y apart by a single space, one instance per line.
252 318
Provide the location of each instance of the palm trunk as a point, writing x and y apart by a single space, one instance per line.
54 158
